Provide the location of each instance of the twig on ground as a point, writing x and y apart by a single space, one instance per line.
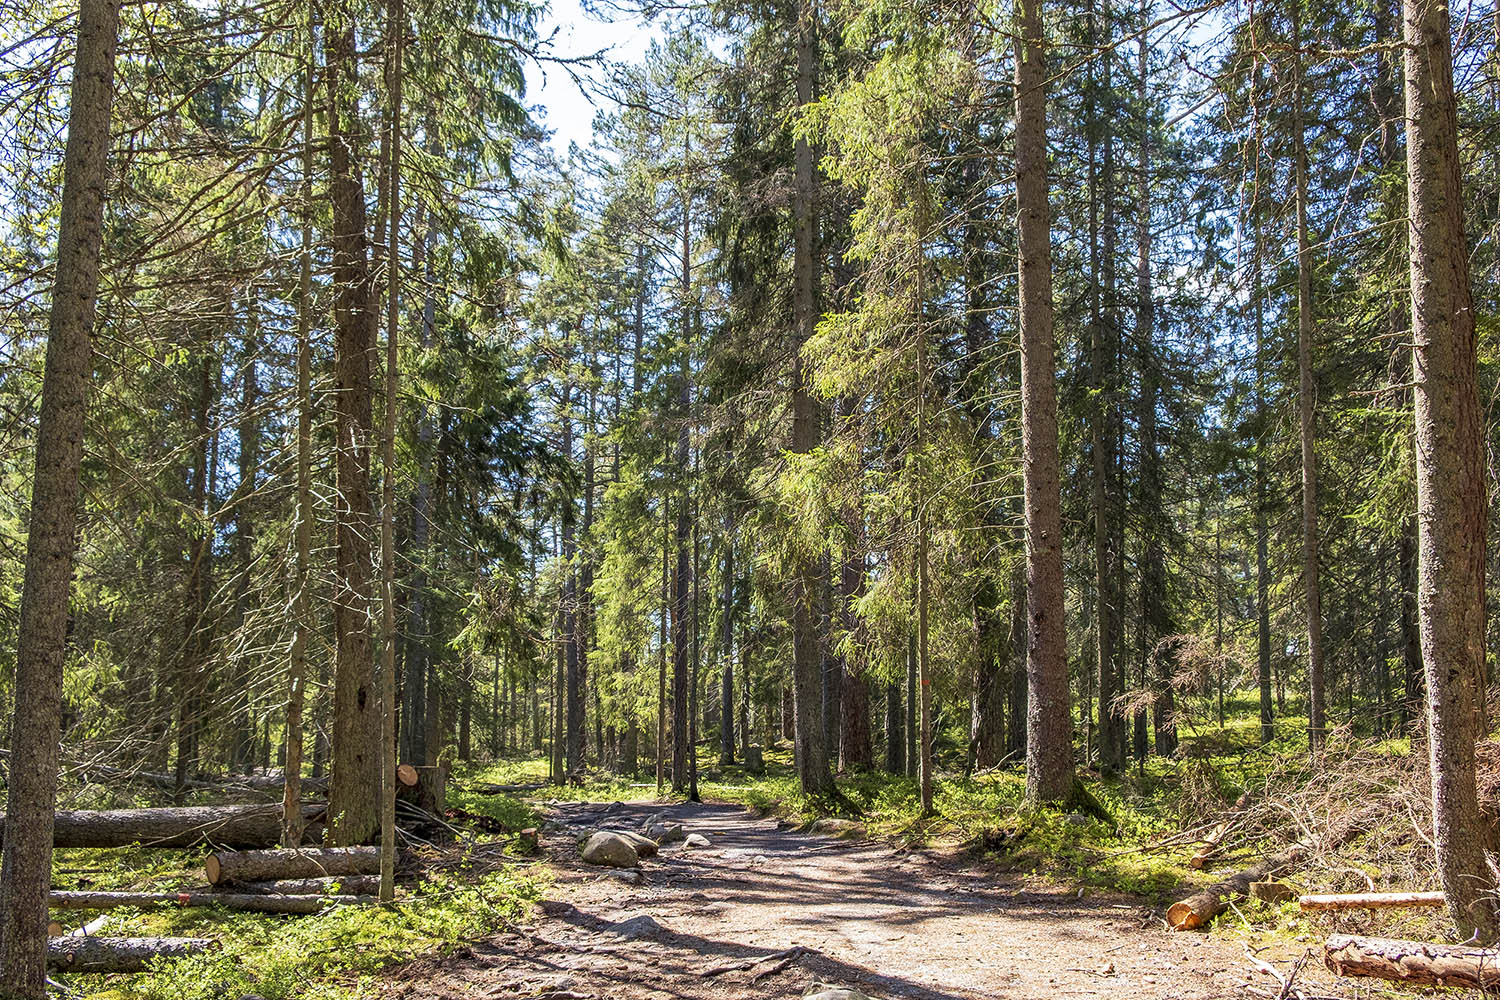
750 963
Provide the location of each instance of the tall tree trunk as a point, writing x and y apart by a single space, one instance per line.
1015 733
1101 354
661 644
1306 393
1154 621
576 733
813 771
242 726
418 652
1049 751
192 662
856 742
895 739
303 625
1262 532
726 649
354 786
681 701
51 545
395 42
1451 496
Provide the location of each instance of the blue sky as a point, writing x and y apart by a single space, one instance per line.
564 107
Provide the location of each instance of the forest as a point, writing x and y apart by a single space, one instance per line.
902 471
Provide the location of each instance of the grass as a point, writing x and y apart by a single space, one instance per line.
334 955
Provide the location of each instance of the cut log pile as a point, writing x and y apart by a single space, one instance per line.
306 862
180 826
247 872
249 902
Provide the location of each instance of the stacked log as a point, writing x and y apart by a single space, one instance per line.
101 954
246 902
182 826
297 863
346 885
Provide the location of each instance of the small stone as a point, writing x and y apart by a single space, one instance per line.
695 840
637 928
606 848
1077 819
666 833
630 876
836 827
828 991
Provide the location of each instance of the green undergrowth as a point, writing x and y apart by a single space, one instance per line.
335 955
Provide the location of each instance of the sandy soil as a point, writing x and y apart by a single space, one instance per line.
764 912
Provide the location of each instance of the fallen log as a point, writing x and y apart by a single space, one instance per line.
303 862
346 885
270 784
183 826
246 902
491 788
1418 962
101 954
1201 907
1369 900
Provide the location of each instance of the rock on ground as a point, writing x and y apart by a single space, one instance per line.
606 848
827 991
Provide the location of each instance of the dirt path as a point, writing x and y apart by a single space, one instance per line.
855 913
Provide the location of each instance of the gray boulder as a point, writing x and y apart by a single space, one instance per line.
837 827
606 848
666 833
828 991
695 840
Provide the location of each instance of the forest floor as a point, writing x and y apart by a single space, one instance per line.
926 924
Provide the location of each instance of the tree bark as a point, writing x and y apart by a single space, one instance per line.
259 866
1102 351
1369 900
1306 394
118 955
302 625
249 902
1154 621
175 826
1451 497
1049 752
726 648
353 793
51 543
395 41
1413 962
813 771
